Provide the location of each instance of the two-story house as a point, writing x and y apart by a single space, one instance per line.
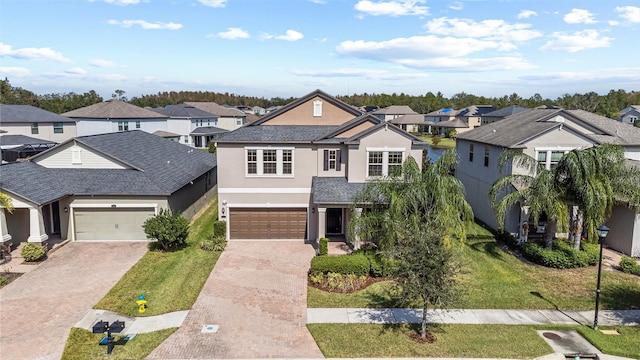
630 115
293 174
36 123
228 118
194 126
116 115
393 111
493 116
545 134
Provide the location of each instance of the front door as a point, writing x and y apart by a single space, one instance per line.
55 217
334 221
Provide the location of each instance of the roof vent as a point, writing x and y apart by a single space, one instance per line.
494 130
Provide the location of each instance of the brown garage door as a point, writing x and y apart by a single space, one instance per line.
267 223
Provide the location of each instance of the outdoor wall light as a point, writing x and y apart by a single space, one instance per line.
66 209
313 210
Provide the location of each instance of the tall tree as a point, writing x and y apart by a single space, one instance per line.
536 188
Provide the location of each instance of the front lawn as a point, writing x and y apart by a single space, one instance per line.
457 341
496 279
445 142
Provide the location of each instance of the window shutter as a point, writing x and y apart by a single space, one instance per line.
326 160
338 160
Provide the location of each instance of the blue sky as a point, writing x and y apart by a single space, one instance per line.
282 48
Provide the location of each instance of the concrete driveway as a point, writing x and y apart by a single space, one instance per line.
256 294
38 309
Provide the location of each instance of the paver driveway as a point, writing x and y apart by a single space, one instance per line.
38 309
257 295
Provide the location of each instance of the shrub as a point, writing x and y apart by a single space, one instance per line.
379 264
344 264
435 140
507 239
629 265
169 229
220 228
214 243
33 252
450 133
323 246
211 147
562 255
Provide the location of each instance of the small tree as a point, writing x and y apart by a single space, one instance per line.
435 140
212 147
169 229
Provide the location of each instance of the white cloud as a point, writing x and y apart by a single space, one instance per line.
9 71
32 53
321 2
232 33
214 3
392 8
456 5
613 22
489 29
629 13
290 35
76 71
579 16
124 2
102 63
372 74
578 41
525 14
608 75
146 25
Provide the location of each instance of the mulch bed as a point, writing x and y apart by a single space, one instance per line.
9 277
429 339
324 286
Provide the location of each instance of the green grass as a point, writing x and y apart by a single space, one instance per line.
445 143
453 341
83 344
496 279
170 281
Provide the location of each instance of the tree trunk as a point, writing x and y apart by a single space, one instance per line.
576 229
423 330
552 226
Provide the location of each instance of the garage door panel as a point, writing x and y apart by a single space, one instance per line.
267 223
111 224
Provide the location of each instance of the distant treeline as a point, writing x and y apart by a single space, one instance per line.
606 105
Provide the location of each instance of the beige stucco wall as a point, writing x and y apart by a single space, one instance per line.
624 234
560 139
344 161
45 131
303 115
62 157
355 130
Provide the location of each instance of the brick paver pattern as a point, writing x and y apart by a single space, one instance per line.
257 295
38 309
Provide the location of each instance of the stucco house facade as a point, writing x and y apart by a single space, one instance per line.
116 115
293 174
194 126
228 118
103 187
544 134
35 122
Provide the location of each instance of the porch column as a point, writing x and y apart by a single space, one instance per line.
4 233
322 222
356 233
36 226
523 229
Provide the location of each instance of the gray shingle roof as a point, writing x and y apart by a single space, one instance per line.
183 111
216 109
10 139
457 123
29 114
276 134
414 119
395 110
208 130
113 109
504 112
334 190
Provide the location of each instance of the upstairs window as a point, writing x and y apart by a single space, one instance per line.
486 156
375 163
384 162
34 128
332 160
269 162
57 128
395 162
252 161
550 158
137 124
287 162
470 152
317 108
123 126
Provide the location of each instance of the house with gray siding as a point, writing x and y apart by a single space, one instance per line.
630 115
34 122
293 173
228 118
545 134
194 126
103 187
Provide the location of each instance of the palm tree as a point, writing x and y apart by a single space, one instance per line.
536 189
6 202
594 179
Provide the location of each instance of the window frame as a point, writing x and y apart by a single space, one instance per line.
487 153
548 151
385 165
35 129
138 124
123 126
58 128
470 152
284 161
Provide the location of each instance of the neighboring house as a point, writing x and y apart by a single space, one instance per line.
393 111
630 114
168 135
444 114
115 115
472 115
228 118
493 116
293 174
32 121
413 123
545 134
18 147
257 110
103 187
194 126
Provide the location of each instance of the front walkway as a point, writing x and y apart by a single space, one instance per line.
38 309
252 306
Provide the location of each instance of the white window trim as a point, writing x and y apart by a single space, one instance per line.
260 165
334 160
385 160
548 150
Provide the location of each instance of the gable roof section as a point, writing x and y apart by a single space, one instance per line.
384 125
615 131
411 119
29 114
396 110
215 109
208 130
183 111
504 112
317 93
113 109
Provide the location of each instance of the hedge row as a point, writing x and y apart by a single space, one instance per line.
562 255
629 265
357 264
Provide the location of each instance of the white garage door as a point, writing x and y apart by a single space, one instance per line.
111 224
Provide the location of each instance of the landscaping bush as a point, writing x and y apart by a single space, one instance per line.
435 140
214 243
169 229
629 265
450 133
562 255
323 246
507 239
220 228
357 264
379 265
33 252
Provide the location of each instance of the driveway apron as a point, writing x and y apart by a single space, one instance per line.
38 309
257 295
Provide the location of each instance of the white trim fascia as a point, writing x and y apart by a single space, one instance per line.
555 148
269 147
264 190
268 205
114 206
385 149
